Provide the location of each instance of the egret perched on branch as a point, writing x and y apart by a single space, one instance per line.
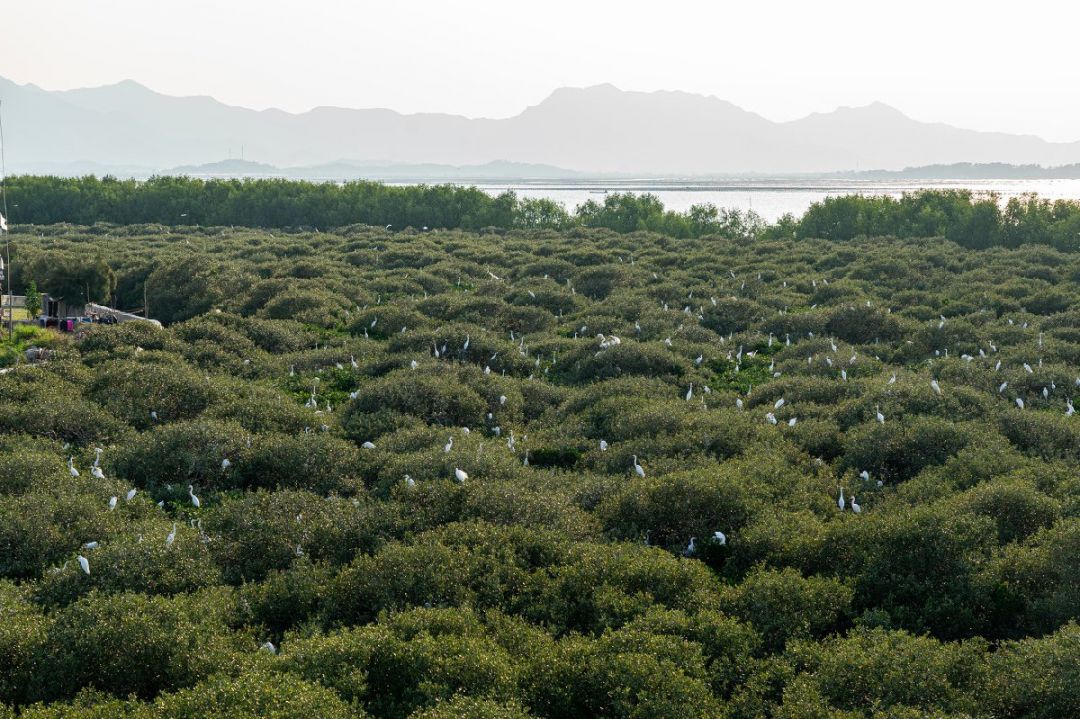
855 506
603 445
864 476
112 503
130 495
880 416
171 536
720 538
460 475
368 445
935 386
71 467
840 502
85 564
638 469
691 548
194 500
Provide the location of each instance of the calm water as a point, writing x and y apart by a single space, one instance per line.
772 198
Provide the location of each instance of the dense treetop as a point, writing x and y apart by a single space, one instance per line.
454 474
971 220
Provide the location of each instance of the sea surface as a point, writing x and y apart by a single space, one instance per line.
770 198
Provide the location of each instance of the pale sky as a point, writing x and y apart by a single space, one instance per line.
984 65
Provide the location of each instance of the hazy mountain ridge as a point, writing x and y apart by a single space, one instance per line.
599 129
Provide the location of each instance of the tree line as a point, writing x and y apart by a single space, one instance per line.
43 200
971 220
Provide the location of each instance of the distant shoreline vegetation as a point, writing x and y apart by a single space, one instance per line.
970 219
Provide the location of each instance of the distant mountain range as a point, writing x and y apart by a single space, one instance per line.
346 170
129 129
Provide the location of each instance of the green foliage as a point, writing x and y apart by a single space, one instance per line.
410 474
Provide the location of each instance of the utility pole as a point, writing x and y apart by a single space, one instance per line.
3 198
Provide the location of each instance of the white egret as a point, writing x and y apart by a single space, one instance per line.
855 506
864 476
85 564
171 536
1002 387
935 386
690 392
130 495
90 545
71 467
770 418
791 422
368 445
112 503
720 538
892 380
840 502
1019 402
409 481
194 500
269 646
691 548
603 445
880 416
460 475
96 472
638 469
778 403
